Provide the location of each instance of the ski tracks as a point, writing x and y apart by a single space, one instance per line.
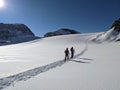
8 81
11 80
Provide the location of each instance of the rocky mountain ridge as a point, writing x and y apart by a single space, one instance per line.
15 33
62 31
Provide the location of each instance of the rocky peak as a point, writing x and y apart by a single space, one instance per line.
116 25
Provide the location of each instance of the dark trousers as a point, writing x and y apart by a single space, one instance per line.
72 55
66 57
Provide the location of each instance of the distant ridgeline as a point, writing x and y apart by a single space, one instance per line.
12 33
63 31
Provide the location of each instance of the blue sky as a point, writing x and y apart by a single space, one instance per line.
43 16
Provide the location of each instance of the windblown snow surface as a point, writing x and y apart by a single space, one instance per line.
40 65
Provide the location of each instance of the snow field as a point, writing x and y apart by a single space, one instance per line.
96 66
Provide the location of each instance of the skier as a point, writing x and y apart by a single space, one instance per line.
72 52
66 54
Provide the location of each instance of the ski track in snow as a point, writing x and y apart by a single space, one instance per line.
11 80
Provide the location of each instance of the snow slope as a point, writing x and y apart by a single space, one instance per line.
109 36
40 65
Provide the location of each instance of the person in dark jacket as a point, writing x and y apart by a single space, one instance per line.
72 50
66 54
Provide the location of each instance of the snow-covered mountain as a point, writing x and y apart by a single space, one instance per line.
12 33
40 65
109 36
63 31
112 34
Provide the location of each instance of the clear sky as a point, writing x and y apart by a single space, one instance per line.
43 16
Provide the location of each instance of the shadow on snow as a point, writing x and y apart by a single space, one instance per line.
86 59
82 60
79 61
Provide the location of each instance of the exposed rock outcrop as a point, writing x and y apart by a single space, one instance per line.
15 33
116 25
62 31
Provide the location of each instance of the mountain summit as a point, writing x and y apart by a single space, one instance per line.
116 25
